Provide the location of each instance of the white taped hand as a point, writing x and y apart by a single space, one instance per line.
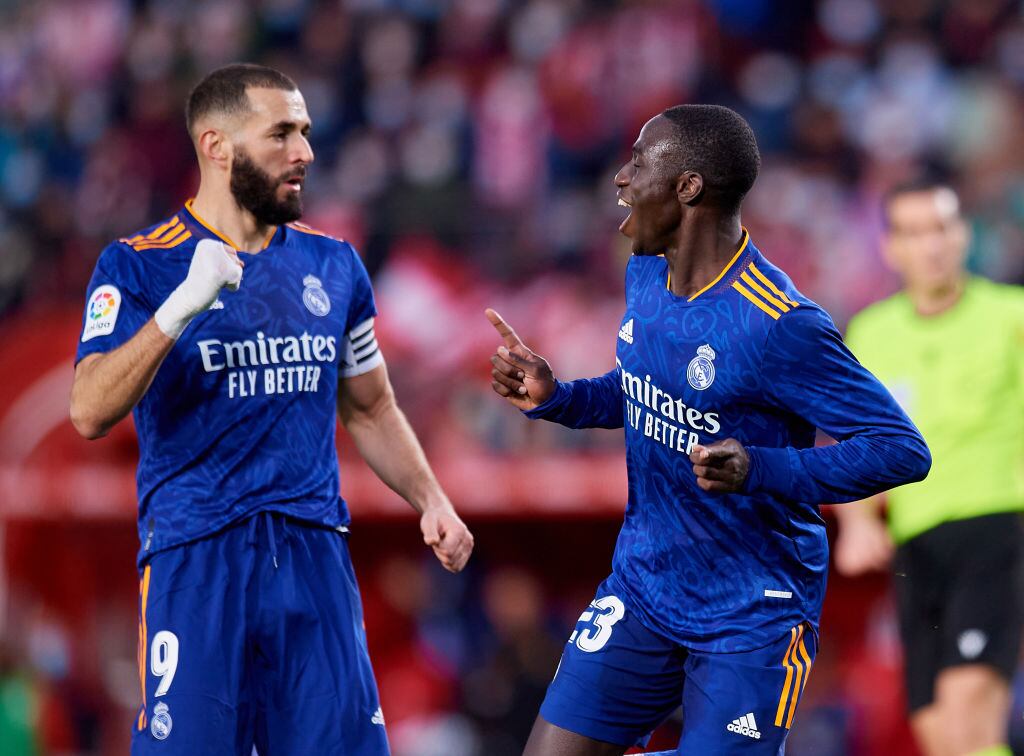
215 266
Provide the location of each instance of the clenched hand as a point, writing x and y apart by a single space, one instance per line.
721 467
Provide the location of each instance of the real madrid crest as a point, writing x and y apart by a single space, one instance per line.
314 296
161 724
700 373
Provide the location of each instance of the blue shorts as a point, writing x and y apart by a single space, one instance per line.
254 636
618 680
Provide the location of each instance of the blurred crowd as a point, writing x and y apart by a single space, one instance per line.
467 148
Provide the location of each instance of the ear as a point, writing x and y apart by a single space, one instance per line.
214 146
689 187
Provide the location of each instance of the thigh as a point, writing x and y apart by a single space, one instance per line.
547 739
314 683
617 680
191 654
745 703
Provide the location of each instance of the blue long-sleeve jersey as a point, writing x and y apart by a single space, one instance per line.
240 417
749 358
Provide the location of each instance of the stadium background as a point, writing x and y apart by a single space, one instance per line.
467 148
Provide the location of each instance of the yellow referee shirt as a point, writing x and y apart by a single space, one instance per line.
960 377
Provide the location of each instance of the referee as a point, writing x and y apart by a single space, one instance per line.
950 347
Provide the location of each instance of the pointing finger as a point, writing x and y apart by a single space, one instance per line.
503 328
517 360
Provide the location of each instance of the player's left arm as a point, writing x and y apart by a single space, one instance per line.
809 371
369 412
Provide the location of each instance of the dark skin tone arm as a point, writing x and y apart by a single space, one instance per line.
525 380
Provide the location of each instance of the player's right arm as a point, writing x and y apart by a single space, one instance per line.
526 381
107 386
114 372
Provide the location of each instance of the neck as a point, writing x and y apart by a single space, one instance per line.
219 210
701 251
936 300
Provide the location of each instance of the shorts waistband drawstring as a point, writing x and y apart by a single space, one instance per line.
271 538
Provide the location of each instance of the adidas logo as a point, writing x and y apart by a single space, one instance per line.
217 305
378 717
745 725
626 332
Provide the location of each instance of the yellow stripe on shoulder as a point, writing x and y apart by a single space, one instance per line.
158 231
767 282
755 286
303 228
757 302
182 235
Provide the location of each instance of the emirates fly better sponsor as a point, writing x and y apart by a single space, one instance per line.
269 365
662 417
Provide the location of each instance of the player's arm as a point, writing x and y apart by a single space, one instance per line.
863 542
808 371
109 384
384 438
526 381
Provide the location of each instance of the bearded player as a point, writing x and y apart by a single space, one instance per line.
250 622
723 372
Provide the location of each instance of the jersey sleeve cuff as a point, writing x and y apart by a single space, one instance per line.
554 405
771 471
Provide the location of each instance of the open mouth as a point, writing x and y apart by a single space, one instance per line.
294 183
625 223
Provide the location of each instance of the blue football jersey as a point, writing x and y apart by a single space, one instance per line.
749 358
240 417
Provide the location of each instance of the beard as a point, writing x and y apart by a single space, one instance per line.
256 190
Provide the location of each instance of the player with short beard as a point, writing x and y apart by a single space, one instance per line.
256 191
250 623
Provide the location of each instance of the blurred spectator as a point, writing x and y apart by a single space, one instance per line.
19 707
466 147
504 693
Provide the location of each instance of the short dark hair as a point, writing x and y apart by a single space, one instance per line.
223 90
930 181
719 144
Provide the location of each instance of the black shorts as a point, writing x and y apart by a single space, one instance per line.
960 589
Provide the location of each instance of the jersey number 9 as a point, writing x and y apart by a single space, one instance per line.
164 659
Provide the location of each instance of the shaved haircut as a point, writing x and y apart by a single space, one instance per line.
224 90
